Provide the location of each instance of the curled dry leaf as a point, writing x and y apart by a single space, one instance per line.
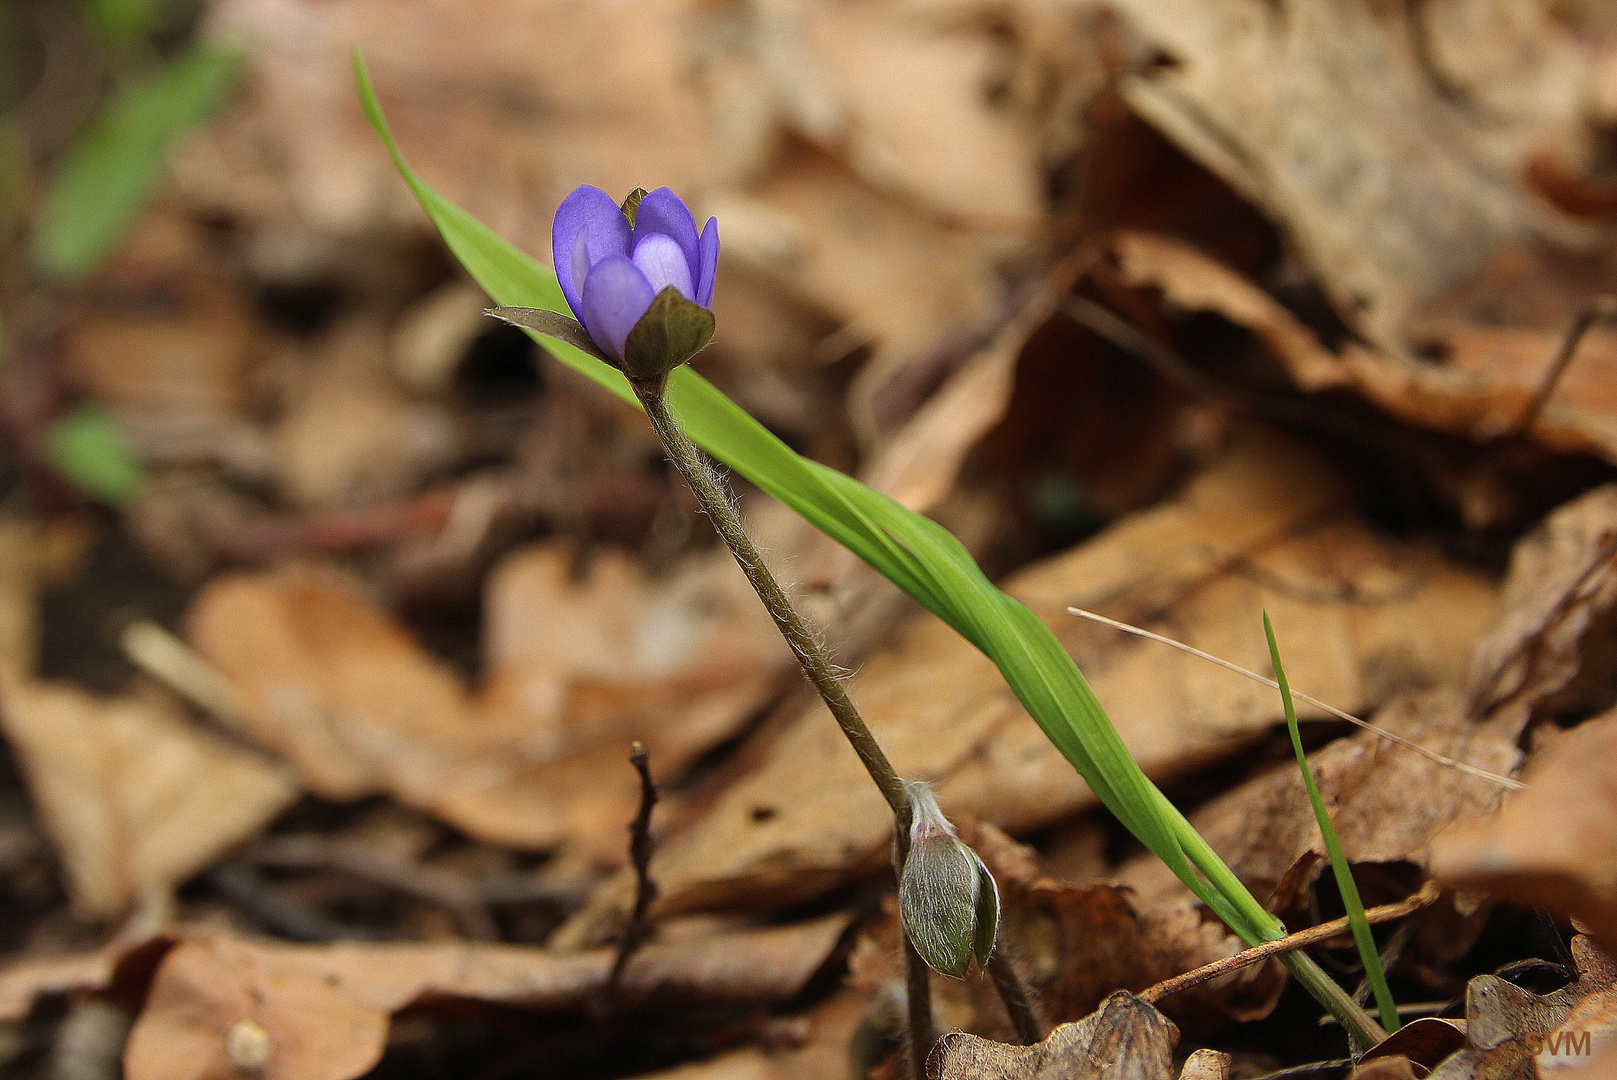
1550 846
1265 527
1490 374
1126 1039
1393 187
322 1012
1508 1029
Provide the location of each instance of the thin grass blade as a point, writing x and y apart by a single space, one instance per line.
1339 864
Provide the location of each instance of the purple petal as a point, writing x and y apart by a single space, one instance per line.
588 227
707 267
664 212
663 263
616 294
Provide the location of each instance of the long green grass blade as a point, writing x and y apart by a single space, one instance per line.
915 553
1339 864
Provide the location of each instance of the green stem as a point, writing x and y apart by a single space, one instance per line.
1362 1031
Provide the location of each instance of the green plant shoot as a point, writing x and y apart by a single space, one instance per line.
1333 848
921 558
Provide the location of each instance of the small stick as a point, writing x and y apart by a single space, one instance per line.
1018 1006
1432 755
1601 307
641 847
1300 940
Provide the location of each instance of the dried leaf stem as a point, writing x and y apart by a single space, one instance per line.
1302 939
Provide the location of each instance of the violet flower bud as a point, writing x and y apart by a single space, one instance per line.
638 276
947 899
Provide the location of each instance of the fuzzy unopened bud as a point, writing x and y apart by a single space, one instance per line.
947 899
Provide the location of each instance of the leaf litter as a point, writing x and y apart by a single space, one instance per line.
444 586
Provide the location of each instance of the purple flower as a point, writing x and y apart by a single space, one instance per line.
617 264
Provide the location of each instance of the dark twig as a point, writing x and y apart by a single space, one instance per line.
1601 307
1291 942
641 846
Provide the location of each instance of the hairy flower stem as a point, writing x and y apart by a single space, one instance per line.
709 489
1014 995
710 492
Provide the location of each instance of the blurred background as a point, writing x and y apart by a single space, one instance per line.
329 607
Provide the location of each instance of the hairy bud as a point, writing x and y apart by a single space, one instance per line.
947 899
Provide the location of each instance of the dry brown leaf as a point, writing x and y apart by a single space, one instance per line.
1263 528
1386 802
321 1012
1192 280
136 797
1509 1029
350 435
1550 846
1389 804
1584 1046
1551 647
590 647
331 684
1489 376
1394 189
1126 1039
221 1008
950 148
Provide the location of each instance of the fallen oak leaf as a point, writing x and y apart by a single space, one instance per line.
322 1012
1506 1026
1551 845
1125 1039
135 797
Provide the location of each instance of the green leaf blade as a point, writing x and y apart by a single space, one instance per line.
1349 889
